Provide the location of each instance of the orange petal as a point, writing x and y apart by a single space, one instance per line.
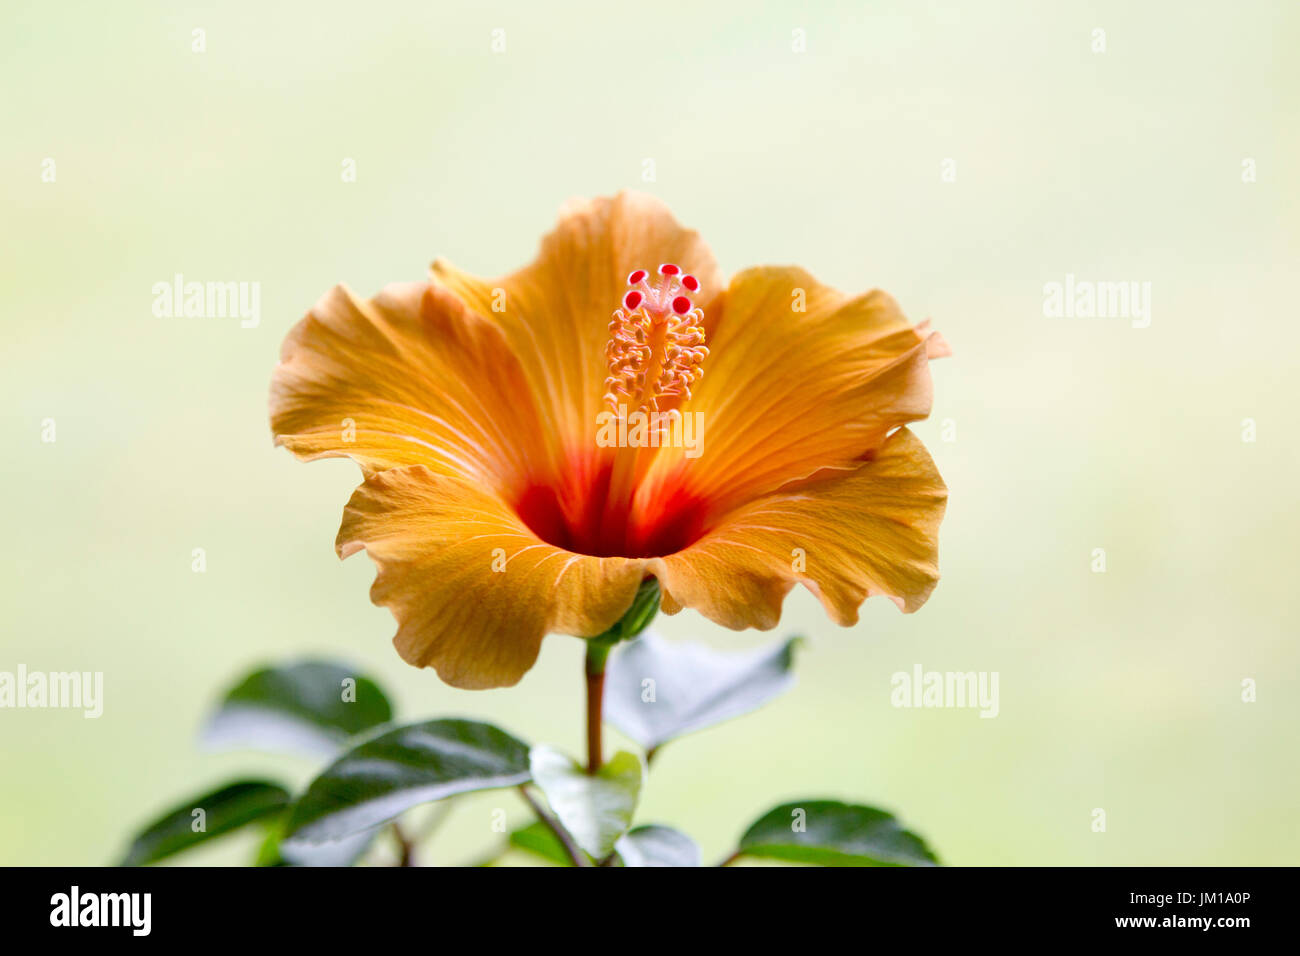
473 590
410 377
556 312
786 393
873 530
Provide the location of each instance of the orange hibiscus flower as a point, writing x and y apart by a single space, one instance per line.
528 462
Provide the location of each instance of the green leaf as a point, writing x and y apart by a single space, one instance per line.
310 706
694 686
830 833
656 845
268 854
387 775
538 839
344 852
223 811
595 809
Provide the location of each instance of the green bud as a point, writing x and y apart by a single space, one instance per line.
643 610
638 617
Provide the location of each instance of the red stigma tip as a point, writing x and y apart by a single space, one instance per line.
636 277
668 269
631 300
692 284
681 304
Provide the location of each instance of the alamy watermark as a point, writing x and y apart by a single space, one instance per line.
129 910
947 689
1086 299
72 690
642 429
179 299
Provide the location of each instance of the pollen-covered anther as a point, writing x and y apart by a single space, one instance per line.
656 341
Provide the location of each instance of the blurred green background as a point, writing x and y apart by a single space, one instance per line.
1119 690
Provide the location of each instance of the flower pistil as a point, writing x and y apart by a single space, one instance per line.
656 342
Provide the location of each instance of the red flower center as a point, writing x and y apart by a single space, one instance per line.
655 353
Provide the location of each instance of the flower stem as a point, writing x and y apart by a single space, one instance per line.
597 652
405 846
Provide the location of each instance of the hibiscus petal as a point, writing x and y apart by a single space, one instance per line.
473 590
410 377
556 312
786 393
873 530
